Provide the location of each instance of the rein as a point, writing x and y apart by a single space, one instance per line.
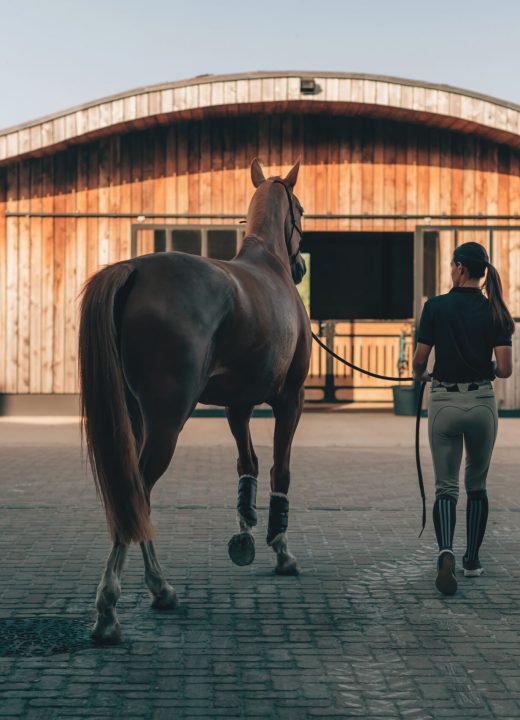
417 417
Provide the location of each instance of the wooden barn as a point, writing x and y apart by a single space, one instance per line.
394 174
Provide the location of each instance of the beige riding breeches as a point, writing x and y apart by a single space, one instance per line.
455 418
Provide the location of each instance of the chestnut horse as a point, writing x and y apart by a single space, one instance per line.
162 332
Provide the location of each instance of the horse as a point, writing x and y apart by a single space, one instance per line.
160 333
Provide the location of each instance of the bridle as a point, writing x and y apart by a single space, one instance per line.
294 225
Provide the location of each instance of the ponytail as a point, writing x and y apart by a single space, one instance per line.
476 259
501 315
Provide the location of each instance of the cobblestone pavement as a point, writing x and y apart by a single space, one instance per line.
360 633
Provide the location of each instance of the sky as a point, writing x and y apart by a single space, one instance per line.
60 53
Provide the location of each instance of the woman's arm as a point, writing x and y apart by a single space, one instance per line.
504 361
420 361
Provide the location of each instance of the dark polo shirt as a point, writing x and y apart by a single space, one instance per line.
460 326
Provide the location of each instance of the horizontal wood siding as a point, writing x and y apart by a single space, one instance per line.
350 165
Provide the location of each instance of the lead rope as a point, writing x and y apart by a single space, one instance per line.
417 418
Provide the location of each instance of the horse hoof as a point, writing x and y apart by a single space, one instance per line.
241 548
106 634
287 567
166 599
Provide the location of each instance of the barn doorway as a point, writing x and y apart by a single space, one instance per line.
361 304
360 276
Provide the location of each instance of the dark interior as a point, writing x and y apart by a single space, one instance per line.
360 275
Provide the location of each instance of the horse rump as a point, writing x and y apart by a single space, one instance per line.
111 442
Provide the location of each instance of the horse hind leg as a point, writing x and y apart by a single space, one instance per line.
241 547
164 596
159 447
106 629
287 411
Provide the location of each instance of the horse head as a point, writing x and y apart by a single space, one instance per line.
292 226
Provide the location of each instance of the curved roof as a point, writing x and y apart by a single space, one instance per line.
335 93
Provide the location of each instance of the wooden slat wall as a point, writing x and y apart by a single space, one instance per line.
350 165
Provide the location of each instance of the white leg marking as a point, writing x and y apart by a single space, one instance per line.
286 563
163 593
106 629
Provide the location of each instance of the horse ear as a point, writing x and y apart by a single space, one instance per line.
292 176
257 174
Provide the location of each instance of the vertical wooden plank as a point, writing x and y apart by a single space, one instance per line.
445 172
217 165
159 169
58 366
241 165
400 175
12 292
510 266
136 170
344 177
228 179
333 171
193 167
47 319
423 172
321 126
148 199
70 275
82 223
35 332
391 139
435 172
182 168
92 208
309 170
103 201
411 170
275 144
3 278
367 172
252 140
24 280
205 166
379 176
469 175
457 175
356 172
114 198
171 169
125 197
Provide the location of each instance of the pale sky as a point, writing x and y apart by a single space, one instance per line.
55 54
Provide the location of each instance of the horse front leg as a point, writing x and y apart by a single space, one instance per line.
241 547
287 412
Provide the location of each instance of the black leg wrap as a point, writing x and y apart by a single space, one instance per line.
444 519
246 501
477 511
278 516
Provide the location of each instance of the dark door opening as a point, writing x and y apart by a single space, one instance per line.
360 275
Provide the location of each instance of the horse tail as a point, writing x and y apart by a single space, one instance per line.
111 442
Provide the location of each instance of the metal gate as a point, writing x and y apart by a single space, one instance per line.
374 345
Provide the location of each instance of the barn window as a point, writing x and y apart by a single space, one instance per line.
188 241
222 244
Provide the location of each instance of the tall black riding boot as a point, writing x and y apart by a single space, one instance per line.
444 519
477 511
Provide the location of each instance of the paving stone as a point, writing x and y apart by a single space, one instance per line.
360 633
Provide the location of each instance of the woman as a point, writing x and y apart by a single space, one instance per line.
465 327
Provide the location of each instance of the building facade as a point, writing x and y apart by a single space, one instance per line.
394 174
